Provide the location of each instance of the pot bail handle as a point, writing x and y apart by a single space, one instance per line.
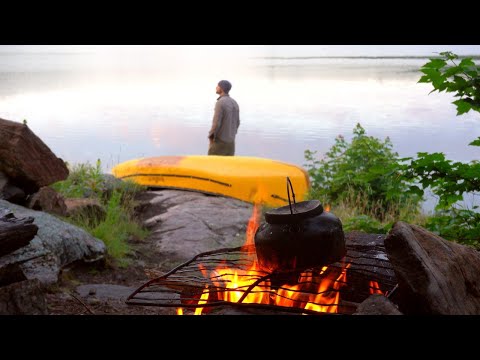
290 186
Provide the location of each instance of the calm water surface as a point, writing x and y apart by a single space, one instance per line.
116 103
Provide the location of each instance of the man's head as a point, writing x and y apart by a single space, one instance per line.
224 85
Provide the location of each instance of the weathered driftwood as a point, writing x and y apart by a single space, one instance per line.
15 233
56 245
26 160
435 276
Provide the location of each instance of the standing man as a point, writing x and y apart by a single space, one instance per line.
226 121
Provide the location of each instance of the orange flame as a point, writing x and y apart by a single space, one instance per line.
375 288
253 224
326 208
328 295
318 292
203 300
314 291
179 311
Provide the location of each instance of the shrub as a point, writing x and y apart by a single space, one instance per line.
367 169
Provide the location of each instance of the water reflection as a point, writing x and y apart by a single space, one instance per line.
120 103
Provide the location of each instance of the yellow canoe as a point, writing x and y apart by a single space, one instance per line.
251 179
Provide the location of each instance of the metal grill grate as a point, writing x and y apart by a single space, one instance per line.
365 264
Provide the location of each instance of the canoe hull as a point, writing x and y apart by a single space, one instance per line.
251 179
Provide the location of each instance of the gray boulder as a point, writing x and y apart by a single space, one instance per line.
186 223
56 245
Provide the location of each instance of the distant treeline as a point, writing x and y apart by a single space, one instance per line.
361 57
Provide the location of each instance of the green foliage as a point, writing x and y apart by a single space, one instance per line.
366 166
117 198
366 224
459 225
83 180
118 226
356 213
449 180
463 79
370 188
475 142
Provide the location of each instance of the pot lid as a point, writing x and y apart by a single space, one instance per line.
294 213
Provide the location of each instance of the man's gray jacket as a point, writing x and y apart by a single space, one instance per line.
226 120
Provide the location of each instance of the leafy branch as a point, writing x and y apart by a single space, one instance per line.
462 78
450 181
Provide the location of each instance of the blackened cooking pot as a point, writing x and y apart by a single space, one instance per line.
299 237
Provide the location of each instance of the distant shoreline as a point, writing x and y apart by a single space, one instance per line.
476 57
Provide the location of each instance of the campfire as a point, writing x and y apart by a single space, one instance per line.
234 276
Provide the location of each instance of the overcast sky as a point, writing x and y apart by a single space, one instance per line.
261 50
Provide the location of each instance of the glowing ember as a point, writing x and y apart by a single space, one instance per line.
375 288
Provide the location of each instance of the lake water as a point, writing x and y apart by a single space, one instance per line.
117 103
